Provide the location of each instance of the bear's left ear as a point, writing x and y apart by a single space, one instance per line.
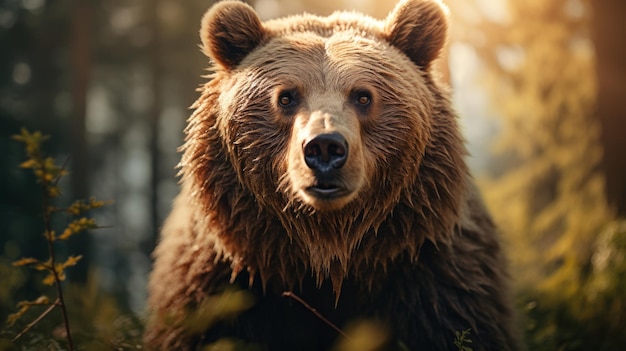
419 28
230 31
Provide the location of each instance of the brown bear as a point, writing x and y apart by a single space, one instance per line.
324 159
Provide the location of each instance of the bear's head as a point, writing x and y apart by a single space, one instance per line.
331 125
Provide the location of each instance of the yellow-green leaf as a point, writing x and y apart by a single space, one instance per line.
15 316
218 307
50 235
49 279
71 261
81 206
42 266
25 261
77 226
18 137
61 275
93 203
67 233
28 164
53 191
23 307
42 300
27 137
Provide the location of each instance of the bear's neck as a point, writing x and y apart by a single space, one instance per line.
286 245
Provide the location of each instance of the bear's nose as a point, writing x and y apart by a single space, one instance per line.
325 151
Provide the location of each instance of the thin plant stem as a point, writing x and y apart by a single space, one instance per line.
317 314
34 322
57 280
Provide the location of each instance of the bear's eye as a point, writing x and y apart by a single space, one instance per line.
362 98
287 99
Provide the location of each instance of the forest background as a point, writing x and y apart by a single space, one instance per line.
538 86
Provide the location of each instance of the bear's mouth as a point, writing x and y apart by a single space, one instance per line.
326 191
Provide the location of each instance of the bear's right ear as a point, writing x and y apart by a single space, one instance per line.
230 31
419 28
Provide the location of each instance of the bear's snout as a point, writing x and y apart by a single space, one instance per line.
325 152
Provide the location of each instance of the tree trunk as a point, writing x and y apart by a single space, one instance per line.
609 27
155 120
80 37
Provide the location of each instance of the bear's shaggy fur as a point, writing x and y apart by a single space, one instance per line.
323 158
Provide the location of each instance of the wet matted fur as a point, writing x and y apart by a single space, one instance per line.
406 241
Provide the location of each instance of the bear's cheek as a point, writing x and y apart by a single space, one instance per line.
326 169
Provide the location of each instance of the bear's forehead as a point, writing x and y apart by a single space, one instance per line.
326 27
342 36
328 53
320 61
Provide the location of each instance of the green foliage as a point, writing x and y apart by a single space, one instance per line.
593 317
45 169
363 335
24 306
218 307
461 338
48 174
546 191
550 198
98 323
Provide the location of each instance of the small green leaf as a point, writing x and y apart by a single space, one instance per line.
461 338
42 266
50 235
42 300
30 163
24 306
71 261
26 137
50 279
81 206
15 316
53 191
77 226
25 261
218 307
